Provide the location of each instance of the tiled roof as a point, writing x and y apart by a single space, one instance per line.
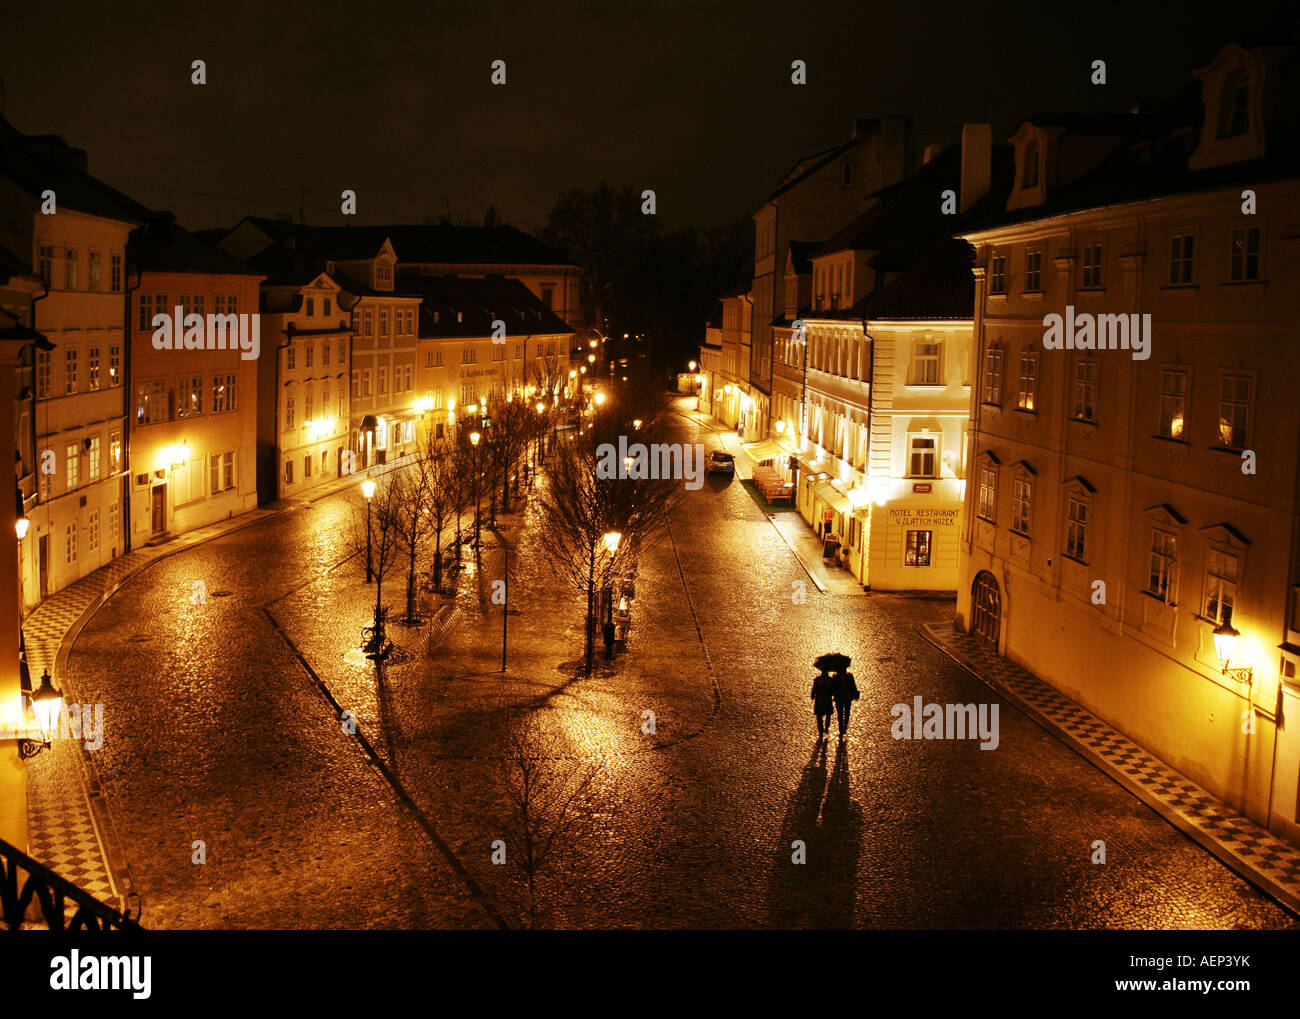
12 265
440 244
802 254
40 162
163 246
809 165
939 286
479 301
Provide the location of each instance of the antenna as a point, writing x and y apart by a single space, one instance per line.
302 190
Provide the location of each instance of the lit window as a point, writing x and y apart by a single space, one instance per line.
1173 403
1220 585
918 548
925 363
1027 394
1085 390
988 493
993 375
1234 411
1034 271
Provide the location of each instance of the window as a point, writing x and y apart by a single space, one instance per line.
311 307
115 278
46 261
1085 390
1022 495
356 383
307 415
115 456
1173 403
92 526
1234 411
370 322
428 358
383 321
468 355
221 472
114 366
306 466
96 270
93 465
289 412
1027 394
1162 575
72 454
223 394
189 396
550 350
112 522
1245 254
918 548
1029 174
1092 265
290 357
993 375
325 354
548 297
384 272
383 381
311 354
921 459
925 363
1234 112
518 352
70 544
71 280
356 321
343 352
498 352
150 402
288 472
46 485
998 275
365 383
92 369
325 306
70 371
1076 531
42 374
988 493
1220 585
1034 271
1181 248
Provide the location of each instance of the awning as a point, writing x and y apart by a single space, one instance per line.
833 497
768 449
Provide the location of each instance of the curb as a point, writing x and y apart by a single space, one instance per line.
1282 895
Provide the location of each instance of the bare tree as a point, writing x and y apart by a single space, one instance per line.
380 525
413 522
513 425
582 505
437 460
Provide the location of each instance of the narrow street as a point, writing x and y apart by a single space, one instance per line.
215 731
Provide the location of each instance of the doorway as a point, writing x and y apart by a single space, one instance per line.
986 609
45 565
158 496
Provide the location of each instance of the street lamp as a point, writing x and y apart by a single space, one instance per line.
45 703
637 424
1225 646
600 399
474 438
21 525
368 490
612 538
692 366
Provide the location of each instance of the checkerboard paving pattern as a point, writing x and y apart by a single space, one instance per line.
1245 846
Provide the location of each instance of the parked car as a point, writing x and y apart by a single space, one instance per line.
720 463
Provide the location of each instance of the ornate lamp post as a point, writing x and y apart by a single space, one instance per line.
1225 646
473 441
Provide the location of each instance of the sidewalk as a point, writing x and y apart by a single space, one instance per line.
793 529
69 828
1242 844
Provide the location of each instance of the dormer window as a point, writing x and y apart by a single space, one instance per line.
1234 111
1029 173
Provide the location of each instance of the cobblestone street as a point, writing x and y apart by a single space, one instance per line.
215 731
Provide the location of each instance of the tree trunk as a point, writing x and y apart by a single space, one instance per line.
591 628
437 560
410 588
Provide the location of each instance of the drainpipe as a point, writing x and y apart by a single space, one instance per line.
127 411
871 399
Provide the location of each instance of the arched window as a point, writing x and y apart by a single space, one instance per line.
1234 106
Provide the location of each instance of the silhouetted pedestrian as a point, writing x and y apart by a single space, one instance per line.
845 692
822 704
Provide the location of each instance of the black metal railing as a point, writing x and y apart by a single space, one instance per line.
23 880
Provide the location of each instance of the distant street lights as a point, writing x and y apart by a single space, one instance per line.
368 490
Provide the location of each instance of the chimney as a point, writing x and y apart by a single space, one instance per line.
976 162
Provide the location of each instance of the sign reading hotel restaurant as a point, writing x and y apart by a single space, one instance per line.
919 516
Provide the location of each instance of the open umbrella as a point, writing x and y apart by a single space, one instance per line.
832 661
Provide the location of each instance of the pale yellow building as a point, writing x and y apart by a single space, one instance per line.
1128 500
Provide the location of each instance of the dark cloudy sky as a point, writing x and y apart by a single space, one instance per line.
692 99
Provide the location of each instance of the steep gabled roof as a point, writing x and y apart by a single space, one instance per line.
37 163
477 302
163 246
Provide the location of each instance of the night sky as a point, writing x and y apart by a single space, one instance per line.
693 99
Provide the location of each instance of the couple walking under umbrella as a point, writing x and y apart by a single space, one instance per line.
833 688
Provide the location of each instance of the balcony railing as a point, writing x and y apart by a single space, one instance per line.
23 880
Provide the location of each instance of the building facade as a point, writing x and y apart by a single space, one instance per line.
1133 460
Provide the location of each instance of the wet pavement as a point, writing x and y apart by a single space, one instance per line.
215 731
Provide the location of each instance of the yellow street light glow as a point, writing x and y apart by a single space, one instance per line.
540 406
472 409
368 488
46 702
451 404
612 539
692 366
780 427
584 369
699 378
21 525
600 399
593 344
573 374
591 358
636 423
474 437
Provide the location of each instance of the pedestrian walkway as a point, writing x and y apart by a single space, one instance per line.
1242 844
794 530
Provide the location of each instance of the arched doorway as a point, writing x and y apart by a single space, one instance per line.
986 608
